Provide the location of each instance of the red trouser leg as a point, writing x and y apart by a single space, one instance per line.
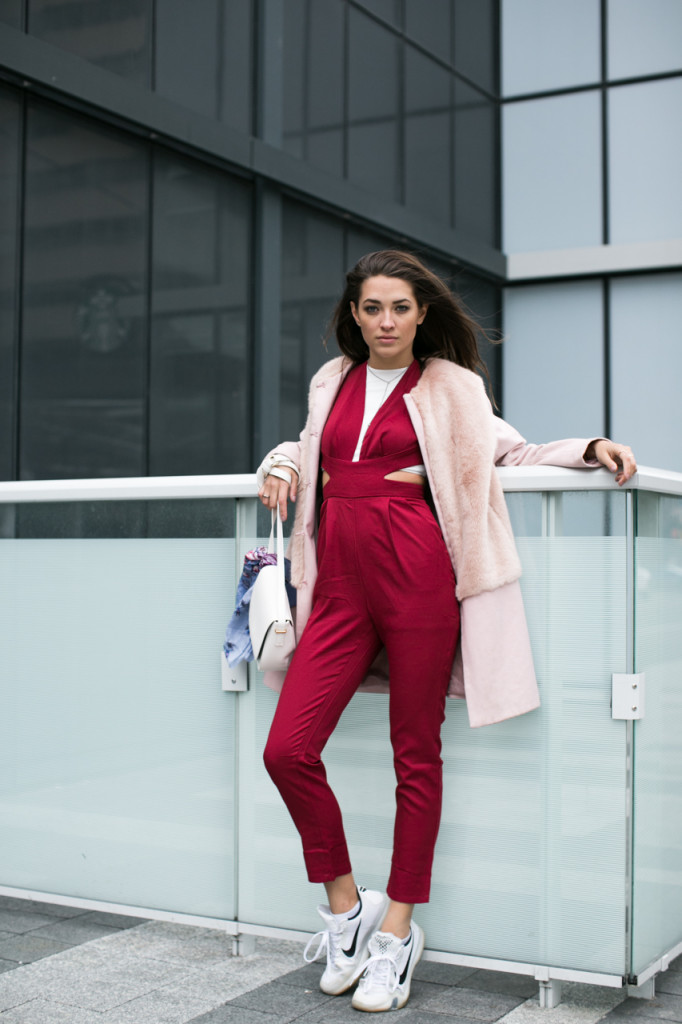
336 649
385 578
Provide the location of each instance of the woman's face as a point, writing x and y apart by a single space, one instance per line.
387 314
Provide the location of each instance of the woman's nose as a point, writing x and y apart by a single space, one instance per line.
387 318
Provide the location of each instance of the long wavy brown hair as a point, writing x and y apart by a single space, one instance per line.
447 331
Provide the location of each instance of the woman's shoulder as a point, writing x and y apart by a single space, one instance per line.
328 372
444 373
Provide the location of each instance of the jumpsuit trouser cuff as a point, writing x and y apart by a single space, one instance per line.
328 864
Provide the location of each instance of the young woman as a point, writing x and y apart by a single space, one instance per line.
398 425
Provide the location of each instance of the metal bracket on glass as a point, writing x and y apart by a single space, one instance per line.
235 680
549 994
627 695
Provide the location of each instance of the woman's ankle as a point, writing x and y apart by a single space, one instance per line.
398 919
342 894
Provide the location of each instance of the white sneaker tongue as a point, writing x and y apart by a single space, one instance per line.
384 943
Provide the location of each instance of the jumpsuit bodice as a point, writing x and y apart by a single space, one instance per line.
389 445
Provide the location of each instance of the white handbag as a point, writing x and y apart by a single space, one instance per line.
271 623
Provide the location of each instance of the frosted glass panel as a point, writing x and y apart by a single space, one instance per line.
644 37
646 313
549 44
553 360
529 863
552 177
657 915
116 741
645 146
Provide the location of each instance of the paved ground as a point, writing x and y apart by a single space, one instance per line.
61 965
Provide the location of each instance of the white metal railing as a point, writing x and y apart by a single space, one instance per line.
243 485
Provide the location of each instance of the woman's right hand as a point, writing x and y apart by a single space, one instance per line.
276 491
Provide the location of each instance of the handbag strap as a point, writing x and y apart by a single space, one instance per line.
282 602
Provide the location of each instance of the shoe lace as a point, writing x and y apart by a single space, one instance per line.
328 941
381 970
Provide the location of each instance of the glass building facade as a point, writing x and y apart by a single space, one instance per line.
182 187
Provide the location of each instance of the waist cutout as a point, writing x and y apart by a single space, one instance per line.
367 478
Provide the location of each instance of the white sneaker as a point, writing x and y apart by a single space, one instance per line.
345 941
385 983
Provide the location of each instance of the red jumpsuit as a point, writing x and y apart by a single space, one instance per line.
384 579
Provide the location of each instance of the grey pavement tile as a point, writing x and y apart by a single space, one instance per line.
442 974
38 907
40 1011
238 1015
74 930
8 965
308 976
663 1007
286 1000
463 1002
113 920
669 981
676 964
20 921
520 985
179 944
26 948
85 977
581 1004
203 988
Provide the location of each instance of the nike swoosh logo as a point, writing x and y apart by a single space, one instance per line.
404 974
350 952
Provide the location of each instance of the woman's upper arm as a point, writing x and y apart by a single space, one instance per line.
512 449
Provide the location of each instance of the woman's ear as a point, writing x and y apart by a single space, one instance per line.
354 311
422 314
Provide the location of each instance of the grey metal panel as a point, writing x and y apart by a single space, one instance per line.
60 74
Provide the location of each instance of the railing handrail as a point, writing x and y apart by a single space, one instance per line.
243 485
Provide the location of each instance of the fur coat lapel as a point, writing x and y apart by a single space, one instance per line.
458 445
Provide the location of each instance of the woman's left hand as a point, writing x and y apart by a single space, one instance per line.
618 458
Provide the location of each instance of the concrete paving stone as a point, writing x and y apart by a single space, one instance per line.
113 920
238 1015
202 988
74 930
441 974
85 977
664 1007
7 965
40 1011
179 944
308 976
670 982
581 1004
463 1002
26 948
676 964
20 921
520 985
285 1000
38 907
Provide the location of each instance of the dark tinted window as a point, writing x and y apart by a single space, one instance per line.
203 57
114 34
374 106
10 112
200 409
84 374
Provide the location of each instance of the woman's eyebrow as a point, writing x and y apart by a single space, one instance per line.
377 302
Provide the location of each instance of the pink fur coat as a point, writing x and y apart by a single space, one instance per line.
461 443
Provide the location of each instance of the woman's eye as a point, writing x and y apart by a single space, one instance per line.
402 309
371 310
